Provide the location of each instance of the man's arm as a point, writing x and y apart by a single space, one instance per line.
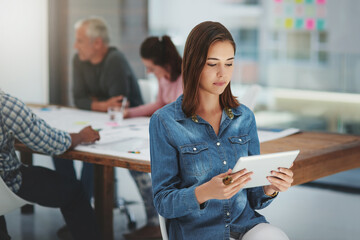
81 95
35 133
116 79
117 75
31 130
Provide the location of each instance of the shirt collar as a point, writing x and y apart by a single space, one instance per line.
180 115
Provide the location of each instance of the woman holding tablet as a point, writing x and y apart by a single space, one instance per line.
196 140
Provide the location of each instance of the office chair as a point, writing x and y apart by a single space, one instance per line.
8 200
123 206
163 230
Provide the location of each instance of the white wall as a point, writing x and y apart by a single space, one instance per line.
343 20
24 49
178 17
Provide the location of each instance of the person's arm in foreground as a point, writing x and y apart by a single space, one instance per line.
40 136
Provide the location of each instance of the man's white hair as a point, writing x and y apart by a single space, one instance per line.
95 27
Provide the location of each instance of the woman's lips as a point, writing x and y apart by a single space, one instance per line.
219 84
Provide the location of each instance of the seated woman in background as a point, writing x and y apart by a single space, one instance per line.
161 58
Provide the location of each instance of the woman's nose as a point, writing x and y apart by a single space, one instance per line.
221 71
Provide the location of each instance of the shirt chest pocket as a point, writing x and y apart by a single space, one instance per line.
195 159
240 145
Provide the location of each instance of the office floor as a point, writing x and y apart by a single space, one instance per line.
304 213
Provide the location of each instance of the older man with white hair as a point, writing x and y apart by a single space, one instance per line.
101 77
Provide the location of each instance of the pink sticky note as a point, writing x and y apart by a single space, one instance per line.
321 11
310 24
299 10
321 1
112 124
278 1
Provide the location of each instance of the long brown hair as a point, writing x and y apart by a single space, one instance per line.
162 52
194 59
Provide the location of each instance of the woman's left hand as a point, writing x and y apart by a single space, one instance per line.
280 181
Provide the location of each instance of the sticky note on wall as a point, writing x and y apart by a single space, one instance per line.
310 24
320 24
299 23
289 23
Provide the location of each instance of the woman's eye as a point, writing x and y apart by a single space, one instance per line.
229 64
211 64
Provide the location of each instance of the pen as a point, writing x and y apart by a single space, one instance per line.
136 152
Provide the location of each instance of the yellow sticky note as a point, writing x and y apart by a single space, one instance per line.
81 123
289 22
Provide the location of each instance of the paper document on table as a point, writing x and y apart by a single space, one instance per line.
71 120
132 148
127 138
119 133
268 134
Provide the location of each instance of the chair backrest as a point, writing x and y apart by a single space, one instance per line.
164 234
9 200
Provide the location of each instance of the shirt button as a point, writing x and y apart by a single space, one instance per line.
228 213
194 149
224 162
240 140
218 143
226 225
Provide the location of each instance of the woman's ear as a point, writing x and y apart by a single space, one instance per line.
167 68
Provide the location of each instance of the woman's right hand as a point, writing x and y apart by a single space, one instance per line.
216 189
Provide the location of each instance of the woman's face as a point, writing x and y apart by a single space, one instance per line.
218 68
157 70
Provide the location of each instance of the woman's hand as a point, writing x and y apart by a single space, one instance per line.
280 181
126 113
216 189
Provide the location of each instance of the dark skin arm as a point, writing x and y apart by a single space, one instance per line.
86 135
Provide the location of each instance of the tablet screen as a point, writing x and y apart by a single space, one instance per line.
262 165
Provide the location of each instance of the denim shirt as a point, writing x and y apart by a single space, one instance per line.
186 153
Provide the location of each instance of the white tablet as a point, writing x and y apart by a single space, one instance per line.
262 165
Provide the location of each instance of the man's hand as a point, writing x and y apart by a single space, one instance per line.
102 106
86 135
89 135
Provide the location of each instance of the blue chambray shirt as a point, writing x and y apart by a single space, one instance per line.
185 154
18 121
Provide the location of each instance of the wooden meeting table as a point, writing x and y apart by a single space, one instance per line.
321 154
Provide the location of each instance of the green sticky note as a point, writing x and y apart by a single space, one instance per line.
320 24
299 23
